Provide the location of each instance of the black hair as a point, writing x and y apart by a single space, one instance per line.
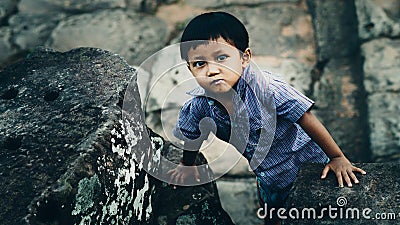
211 26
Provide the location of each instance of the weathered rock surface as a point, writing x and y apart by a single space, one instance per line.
7 7
133 36
243 193
68 158
374 201
382 83
338 76
44 6
57 113
374 21
224 3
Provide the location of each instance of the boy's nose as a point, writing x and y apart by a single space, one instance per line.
213 69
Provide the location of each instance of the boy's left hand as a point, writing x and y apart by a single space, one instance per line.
343 169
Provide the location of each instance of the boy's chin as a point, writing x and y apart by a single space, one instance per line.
222 91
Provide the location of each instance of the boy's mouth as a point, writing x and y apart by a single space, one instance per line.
217 82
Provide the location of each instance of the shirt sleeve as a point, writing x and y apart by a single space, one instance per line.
290 103
187 127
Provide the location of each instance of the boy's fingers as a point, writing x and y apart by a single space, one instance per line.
325 172
177 178
340 179
353 177
359 170
171 176
182 180
347 179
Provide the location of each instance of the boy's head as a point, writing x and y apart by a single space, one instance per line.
215 47
211 26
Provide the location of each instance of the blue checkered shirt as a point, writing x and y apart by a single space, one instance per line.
271 108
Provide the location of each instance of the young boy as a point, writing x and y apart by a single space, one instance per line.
220 63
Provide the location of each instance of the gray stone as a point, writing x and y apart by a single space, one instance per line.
133 36
239 199
6 47
376 197
289 36
32 30
382 84
336 81
58 112
67 6
374 22
224 3
382 56
292 71
7 8
391 7
147 6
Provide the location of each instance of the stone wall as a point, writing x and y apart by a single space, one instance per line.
285 37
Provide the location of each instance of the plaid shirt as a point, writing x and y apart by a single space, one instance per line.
264 107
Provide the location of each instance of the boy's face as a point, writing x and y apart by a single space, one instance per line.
217 66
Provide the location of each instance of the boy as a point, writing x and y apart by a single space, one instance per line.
275 145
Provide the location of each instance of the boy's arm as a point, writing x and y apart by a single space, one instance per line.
190 154
339 164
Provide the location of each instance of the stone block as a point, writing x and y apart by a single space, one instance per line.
134 36
375 200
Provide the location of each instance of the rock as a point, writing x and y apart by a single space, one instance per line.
239 199
148 6
292 71
7 8
69 156
221 3
6 47
390 7
374 22
382 84
68 6
336 81
57 114
289 36
32 30
374 201
133 36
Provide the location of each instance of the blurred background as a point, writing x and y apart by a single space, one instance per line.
345 55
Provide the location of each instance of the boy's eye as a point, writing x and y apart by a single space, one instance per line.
222 57
198 63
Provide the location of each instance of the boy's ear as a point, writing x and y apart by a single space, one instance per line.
246 57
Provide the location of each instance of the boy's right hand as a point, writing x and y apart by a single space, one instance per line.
182 172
